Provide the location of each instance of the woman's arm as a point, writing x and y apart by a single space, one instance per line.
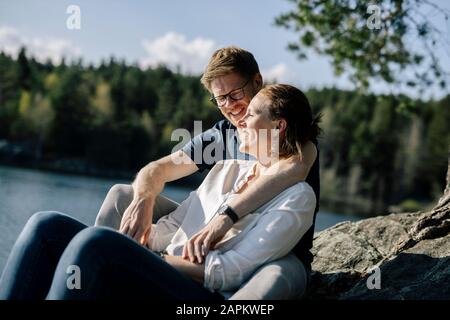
277 231
288 172
266 187
194 271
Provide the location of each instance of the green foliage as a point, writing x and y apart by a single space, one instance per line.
438 143
398 147
72 113
115 116
410 205
368 149
398 156
339 29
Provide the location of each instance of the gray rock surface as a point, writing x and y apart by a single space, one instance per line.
346 254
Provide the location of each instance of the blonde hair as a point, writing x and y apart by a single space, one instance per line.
229 60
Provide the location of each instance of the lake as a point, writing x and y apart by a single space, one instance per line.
26 191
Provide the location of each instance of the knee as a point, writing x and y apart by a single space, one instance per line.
93 237
114 205
119 192
91 242
289 265
44 221
291 273
280 279
290 268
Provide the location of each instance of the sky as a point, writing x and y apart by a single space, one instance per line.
174 32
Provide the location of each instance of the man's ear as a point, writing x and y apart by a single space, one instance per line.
257 82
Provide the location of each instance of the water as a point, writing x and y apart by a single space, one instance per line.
25 191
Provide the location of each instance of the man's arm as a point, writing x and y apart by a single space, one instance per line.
266 187
149 183
152 178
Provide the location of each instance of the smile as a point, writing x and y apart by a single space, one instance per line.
234 114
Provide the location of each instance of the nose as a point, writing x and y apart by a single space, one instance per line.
242 123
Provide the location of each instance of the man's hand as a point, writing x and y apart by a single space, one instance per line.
149 183
137 219
198 246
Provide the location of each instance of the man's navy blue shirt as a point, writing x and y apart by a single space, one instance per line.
220 143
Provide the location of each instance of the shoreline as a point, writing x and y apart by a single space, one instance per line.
191 182
356 208
83 170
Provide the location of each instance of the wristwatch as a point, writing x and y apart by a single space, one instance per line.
228 211
162 254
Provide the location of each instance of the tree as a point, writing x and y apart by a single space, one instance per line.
70 102
37 115
438 138
23 70
9 95
118 92
340 30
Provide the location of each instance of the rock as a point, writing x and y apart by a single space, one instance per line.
346 253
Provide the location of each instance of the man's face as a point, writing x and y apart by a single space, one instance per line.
234 110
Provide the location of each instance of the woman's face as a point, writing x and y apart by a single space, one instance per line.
256 130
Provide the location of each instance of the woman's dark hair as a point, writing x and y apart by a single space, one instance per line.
291 104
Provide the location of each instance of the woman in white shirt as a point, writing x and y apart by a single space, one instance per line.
98 262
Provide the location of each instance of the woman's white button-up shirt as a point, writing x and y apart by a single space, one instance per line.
269 233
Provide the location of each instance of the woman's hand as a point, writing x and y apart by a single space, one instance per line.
137 219
198 246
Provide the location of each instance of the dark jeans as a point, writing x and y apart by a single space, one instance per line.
111 265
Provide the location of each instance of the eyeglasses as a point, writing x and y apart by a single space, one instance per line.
235 95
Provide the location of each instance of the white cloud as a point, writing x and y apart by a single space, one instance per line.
278 73
41 48
10 40
174 50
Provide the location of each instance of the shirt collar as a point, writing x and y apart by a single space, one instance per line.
248 175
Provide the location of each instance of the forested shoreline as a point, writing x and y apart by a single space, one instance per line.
114 118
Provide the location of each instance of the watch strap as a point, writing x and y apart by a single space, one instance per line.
230 213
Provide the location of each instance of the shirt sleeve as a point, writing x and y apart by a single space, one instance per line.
207 148
274 235
163 231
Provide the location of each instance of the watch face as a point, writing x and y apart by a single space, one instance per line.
222 208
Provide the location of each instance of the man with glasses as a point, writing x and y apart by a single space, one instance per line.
232 77
235 95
